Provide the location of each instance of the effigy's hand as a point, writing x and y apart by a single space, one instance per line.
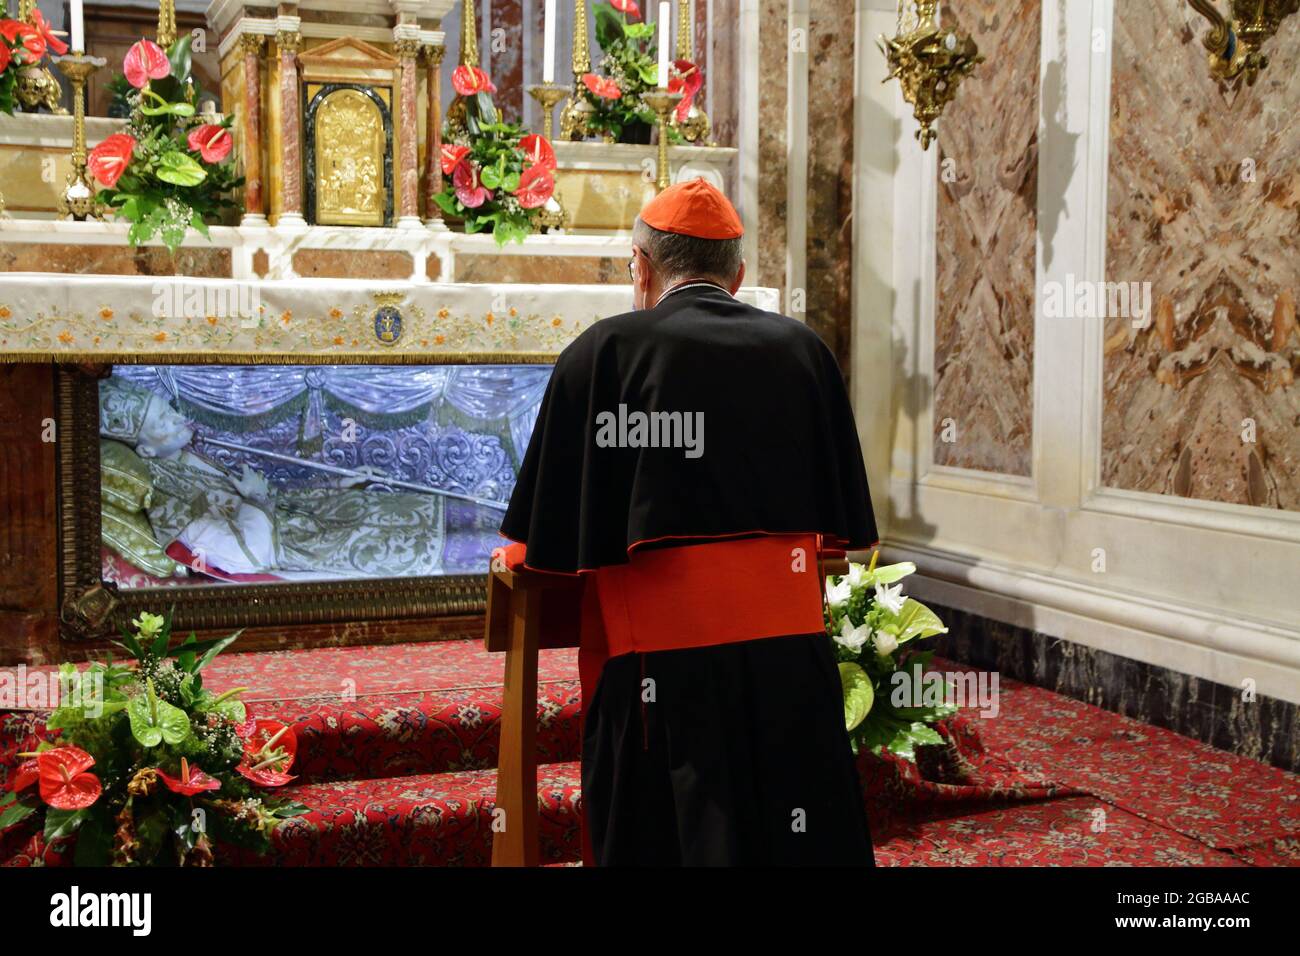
253 485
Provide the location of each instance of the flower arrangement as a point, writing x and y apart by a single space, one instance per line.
874 626
497 176
23 44
149 767
168 171
630 69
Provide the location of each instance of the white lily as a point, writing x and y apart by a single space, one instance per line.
890 597
857 575
838 594
886 643
853 637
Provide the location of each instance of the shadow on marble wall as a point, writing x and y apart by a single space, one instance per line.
1264 729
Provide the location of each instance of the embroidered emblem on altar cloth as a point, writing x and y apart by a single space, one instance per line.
388 317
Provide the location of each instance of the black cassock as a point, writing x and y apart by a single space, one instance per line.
742 757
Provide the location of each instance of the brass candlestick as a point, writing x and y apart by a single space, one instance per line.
78 199
663 103
695 128
36 86
166 24
574 116
546 95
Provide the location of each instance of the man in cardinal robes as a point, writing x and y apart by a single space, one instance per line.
692 461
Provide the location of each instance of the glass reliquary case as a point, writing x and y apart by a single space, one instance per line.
250 494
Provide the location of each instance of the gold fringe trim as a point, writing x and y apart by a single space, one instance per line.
278 358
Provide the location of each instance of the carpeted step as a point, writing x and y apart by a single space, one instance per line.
389 711
440 819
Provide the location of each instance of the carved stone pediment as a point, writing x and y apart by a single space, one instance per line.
347 60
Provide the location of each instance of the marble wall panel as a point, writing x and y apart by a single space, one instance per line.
986 234
76 259
1200 398
829 206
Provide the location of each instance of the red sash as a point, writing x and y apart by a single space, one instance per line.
697 595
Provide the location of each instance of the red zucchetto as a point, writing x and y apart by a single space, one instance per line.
693 208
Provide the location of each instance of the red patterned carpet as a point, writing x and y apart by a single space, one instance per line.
397 747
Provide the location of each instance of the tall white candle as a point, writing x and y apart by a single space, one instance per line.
78 28
548 40
665 18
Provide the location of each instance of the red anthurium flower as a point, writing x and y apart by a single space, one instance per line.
65 784
211 141
31 43
469 190
626 6
452 154
109 159
686 80
269 749
191 781
469 80
145 61
538 151
5 56
602 86
535 187
27 774
48 34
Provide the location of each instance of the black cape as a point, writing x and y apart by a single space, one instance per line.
780 452
742 739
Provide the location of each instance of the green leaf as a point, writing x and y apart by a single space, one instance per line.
15 813
94 844
446 202
181 58
180 169
609 26
63 823
487 110
859 695
290 808
209 649
639 31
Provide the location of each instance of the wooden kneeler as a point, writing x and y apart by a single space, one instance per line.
526 611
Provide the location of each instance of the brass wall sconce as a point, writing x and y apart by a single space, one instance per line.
1235 44
929 61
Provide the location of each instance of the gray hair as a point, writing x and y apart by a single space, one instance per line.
679 257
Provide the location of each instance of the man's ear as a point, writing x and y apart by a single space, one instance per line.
737 282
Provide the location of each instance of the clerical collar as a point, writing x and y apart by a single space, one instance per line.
690 284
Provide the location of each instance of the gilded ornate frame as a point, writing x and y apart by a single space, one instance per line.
89 608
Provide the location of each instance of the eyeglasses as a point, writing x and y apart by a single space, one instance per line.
631 274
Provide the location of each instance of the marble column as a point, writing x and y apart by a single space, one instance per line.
250 45
433 137
289 43
408 160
